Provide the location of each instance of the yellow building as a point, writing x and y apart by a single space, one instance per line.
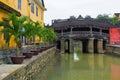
117 15
31 8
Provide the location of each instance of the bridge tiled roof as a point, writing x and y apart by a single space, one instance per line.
98 23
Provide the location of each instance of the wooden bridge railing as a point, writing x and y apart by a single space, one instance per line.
83 33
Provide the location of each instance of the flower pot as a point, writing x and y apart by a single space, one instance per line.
17 59
28 54
35 52
39 50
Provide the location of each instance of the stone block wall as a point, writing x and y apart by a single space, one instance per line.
33 66
114 50
6 53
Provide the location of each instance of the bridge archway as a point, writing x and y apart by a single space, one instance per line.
85 45
66 45
95 46
104 44
58 44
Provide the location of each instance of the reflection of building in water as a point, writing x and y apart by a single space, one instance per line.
115 72
97 66
101 62
91 61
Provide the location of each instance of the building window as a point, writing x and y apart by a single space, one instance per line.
19 4
41 15
5 33
36 11
32 7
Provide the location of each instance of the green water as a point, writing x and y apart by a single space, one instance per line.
80 66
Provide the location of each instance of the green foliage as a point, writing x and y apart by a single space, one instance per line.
104 16
49 35
14 27
29 30
114 20
38 29
22 26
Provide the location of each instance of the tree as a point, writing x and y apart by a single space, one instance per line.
38 30
104 16
114 20
29 31
46 34
49 35
14 28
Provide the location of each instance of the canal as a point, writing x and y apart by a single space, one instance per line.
81 66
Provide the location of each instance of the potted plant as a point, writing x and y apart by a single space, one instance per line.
14 28
49 35
29 33
39 33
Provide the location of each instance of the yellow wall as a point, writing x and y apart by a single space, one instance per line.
25 10
117 16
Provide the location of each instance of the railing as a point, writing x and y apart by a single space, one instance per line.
83 33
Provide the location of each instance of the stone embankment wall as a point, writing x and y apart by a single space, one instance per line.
33 66
6 53
113 49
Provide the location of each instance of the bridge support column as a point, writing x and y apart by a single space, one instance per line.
91 45
62 45
71 45
100 45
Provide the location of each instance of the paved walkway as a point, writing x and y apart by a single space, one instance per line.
6 69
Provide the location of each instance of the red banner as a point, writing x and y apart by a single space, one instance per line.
114 36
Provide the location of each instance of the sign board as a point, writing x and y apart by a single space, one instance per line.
114 36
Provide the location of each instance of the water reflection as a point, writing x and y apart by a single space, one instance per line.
76 58
115 72
79 66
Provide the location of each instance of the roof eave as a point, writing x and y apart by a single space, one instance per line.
41 4
9 9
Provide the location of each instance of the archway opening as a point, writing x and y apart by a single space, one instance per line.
95 46
85 45
66 45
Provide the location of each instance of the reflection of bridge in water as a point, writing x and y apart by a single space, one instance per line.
91 34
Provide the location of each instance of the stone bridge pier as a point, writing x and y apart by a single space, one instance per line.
88 45
71 45
67 43
62 45
95 45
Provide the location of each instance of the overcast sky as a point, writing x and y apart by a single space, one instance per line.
62 9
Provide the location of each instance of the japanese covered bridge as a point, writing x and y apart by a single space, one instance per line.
91 34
